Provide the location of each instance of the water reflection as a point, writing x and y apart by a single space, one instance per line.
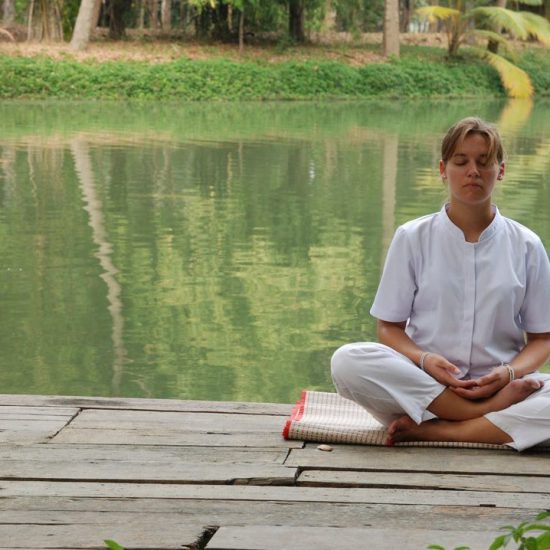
223 251
93 205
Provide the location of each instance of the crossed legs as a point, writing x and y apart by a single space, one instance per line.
461 419
412 404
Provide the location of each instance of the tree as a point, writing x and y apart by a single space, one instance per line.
153 14
391 28
118 10
8 12
166 15
84 23
45 20
479 24
8 18
296 19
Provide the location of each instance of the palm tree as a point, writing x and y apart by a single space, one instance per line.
479 23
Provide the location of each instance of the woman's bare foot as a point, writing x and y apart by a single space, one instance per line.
476 430
513 393
399 429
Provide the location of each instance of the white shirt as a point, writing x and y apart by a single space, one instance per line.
470 302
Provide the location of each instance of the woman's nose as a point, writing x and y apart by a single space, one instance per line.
473 168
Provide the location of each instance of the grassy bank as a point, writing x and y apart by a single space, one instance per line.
421 72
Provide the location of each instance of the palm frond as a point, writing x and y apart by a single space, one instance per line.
495 37
502 18
516 82
537 26
434 13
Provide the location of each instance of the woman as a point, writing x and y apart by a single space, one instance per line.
463 311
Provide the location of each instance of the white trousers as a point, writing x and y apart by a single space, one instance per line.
389 385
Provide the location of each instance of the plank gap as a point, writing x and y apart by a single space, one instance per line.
398 471
71 419
205 537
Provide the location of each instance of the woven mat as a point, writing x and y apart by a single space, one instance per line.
328 418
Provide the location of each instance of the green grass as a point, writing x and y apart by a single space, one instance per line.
420 73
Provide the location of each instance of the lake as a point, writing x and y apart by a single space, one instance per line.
218 251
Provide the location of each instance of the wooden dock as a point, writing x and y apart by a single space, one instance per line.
167 474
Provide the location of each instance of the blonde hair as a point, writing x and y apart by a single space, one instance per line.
457 133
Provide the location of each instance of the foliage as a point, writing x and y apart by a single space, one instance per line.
522 534
413 76
359 15
530 536
485 22
112 545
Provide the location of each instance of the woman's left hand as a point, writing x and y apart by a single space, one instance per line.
486 385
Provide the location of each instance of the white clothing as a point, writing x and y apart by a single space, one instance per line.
469 302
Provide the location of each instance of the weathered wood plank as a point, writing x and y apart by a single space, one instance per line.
145 404
166 436
153 463
185 421
427 459
132 533
53 452
467 482
18 425
6 411
281 494
26 437
176 428
68 510
268 537
267 474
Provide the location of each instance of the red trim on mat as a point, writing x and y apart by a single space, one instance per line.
301 406
296 413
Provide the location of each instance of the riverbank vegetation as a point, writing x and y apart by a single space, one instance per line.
421 72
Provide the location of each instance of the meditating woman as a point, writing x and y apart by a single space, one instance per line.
463 311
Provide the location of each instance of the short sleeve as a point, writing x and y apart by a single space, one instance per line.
395 295
535 310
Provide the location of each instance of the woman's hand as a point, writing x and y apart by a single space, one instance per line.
486 385
445 372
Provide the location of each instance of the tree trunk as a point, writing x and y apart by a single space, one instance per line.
241 31
166 15
117 18
84 24
230 18
405 18
296 14
141 15
153 14
8 12
391 28
44 22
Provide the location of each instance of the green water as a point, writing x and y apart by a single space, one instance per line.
217 251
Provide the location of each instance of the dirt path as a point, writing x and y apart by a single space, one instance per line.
335 48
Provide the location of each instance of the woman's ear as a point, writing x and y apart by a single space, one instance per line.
443 169
501 170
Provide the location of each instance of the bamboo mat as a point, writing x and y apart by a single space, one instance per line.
329 418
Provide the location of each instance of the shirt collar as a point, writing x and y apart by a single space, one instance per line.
488 232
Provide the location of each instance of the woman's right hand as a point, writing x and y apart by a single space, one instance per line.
444 371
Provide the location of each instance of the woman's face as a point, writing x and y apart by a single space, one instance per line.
471 177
